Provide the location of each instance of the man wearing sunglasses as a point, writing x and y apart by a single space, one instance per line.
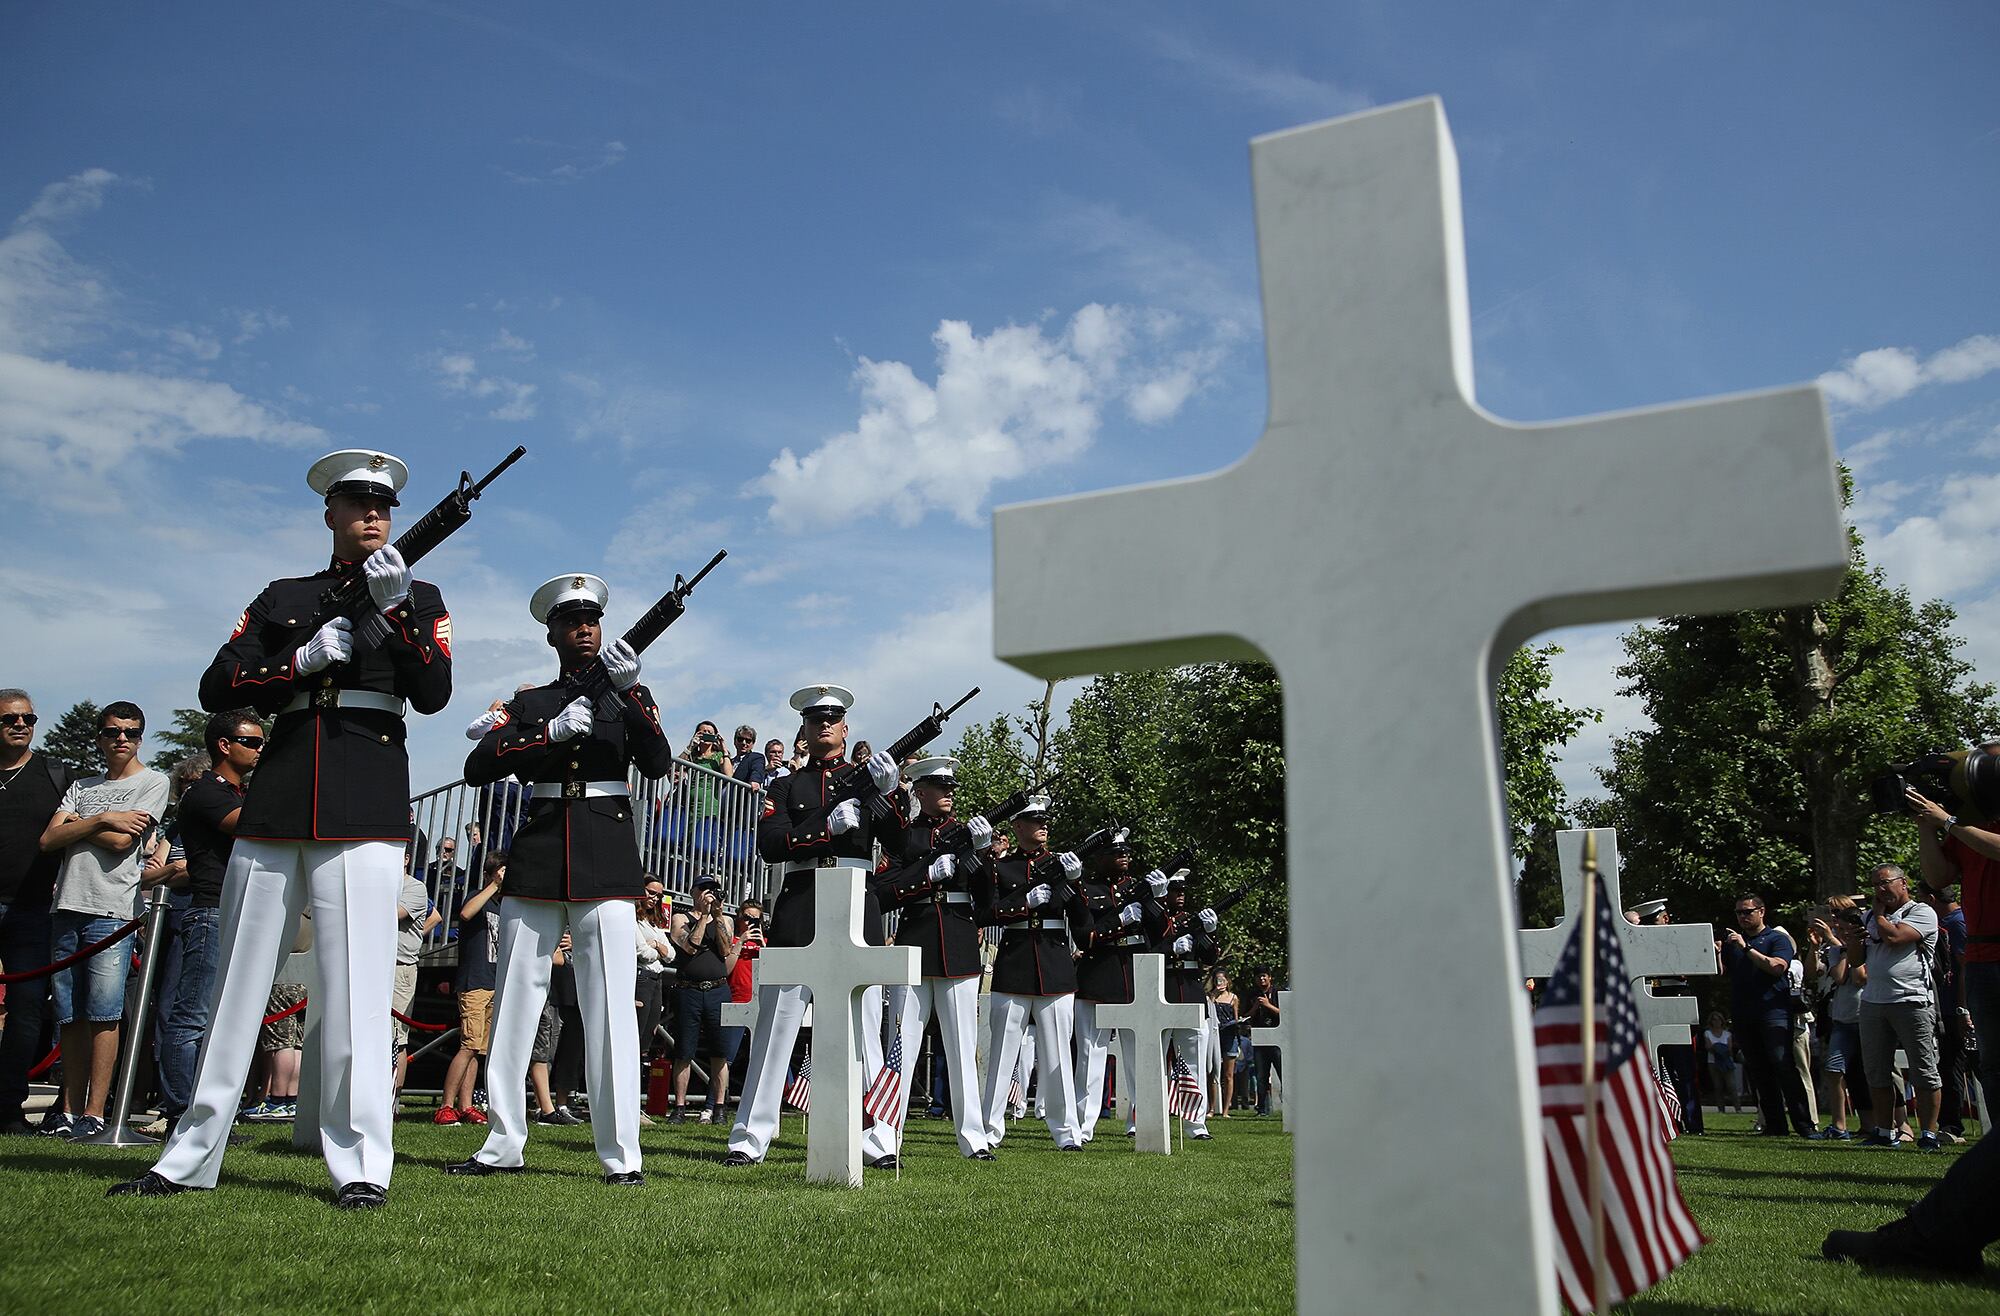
31 790
207 814
1757 959
323 823
105 828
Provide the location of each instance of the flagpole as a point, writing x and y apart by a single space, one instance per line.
1594 1167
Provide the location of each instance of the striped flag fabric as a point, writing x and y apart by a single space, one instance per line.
1183 1091
798 1091
884 1099
1647 1228
1670 1101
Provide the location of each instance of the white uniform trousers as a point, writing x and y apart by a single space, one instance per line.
1189 1044
1093 1046
1007 1021
351 887
604 941
780 1011
957 1003
1024 1069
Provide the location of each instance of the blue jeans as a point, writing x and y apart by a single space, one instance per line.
94 989
24 944
185 1004
1982 998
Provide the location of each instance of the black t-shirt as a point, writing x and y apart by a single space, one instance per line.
207 801
29 797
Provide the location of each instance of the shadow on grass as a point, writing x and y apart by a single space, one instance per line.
1921 1182
111 1172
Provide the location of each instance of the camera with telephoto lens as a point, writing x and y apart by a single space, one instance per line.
1961 781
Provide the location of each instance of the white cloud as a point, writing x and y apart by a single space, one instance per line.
1886 374
58 203
1951 548
667 532
572 163
512 343
458 374
1585 675
1004 405
629 414
255 324
1231 74
194 343
47 300
1159 268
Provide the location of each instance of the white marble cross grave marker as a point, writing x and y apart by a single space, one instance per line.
1281 1038
1385 546
835 967
1147 1017
1676 950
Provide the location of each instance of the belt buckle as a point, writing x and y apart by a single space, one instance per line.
572 790
326 698
827 861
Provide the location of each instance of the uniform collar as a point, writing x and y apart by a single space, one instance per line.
336 564
829 763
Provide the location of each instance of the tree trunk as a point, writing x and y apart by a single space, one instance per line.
1832 821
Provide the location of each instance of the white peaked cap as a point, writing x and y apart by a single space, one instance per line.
947 768
1648 908
560 594
359 471
822 696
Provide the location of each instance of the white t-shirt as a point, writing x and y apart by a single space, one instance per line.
98 880
1901 973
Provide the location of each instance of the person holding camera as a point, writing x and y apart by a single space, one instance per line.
1897 1009
1757 959
1838 940
705 940
1949 851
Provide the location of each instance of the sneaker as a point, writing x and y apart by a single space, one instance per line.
1839 1135
1878 1140
1928 1142
472 1115
557 1116
445 1115
677 1116
158 1128
707 1115
87 1126
644 1118
284 1112
56 1124
257 1113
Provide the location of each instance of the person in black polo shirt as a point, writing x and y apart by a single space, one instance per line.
31 790
705 942
207 816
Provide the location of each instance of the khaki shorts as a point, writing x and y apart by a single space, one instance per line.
406 991
475 1019
1911 1025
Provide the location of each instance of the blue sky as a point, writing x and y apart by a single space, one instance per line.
821 285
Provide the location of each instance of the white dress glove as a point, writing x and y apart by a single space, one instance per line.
330 644
943 867
1131 914
388 578
883 769
621 664
575 720
1072 866
982 832
1156 882
846 816
477 728
1182 946
1207 919
1040 896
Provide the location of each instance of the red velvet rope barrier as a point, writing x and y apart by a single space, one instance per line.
420 1027
27 975
284 1014
48 1061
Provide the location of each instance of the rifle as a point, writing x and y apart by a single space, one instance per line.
957 836
348 596
594 683
1048 869
853 782
1229 901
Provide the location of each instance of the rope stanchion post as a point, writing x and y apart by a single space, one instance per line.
118 1131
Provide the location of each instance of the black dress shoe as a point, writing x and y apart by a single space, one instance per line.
883 1163
737 1158
983 1154
626 1179
360 1196
1203 1136
150 1184
1071 1146
477 1169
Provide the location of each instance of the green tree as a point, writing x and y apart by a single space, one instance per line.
990 765
1767 727
73 739
178 739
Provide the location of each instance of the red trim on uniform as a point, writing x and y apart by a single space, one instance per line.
242 624
284 673
441 635
541 738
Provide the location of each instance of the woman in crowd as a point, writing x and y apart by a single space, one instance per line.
1222 1094
1725 1075
656 956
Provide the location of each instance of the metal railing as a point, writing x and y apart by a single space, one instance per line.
692 823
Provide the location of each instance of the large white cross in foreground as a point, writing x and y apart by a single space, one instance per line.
1678 950
1147 1016
1385 546
836 966
1281 1038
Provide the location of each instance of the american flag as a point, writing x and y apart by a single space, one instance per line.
1670 1102
884 1098
798 1092
1647 1228
1016 1099
1183 1093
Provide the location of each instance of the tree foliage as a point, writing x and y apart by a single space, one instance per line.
178 739
1766 729
73 739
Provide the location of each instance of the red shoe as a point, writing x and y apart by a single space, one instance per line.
445 1115
472 1115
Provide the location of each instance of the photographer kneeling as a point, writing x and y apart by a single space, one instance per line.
1897 1008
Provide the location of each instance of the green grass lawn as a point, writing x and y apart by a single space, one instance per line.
1206 1231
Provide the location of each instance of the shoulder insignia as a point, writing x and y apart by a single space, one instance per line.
441 632
770 805
242 625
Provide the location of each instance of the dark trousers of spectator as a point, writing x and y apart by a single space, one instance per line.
185 1001
1951 1069
1679 1062
1270 1060
24 944
1982 998
650 989
566 1070
1962 1212
1767 1060
939 1082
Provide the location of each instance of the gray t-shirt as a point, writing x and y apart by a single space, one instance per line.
1843 999
98 880
1901 973
410 936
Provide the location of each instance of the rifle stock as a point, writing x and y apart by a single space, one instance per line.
853 782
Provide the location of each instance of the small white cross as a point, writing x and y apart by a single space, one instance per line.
1385 545
1280 1037
1677 950
1147 1017
835 967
